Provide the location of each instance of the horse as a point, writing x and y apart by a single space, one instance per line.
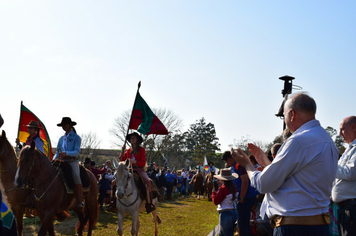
49 192
198 181
209 178
8 167
128 200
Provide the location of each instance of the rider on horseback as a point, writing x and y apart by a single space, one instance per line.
137 156
68 149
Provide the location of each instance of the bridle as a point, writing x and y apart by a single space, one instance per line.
34 188
128 179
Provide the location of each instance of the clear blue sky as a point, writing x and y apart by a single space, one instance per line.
215 59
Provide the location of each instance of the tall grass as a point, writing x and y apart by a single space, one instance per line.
183 216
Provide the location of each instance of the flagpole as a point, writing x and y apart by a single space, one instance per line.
128 127
18 131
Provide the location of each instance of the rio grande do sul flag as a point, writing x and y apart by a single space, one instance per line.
26 116
144 120
205 164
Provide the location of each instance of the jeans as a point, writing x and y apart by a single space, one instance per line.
304 230
227 221
244 215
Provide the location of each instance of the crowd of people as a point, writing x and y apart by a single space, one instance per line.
289 194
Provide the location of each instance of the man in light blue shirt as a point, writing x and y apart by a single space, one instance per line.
344 189
299 181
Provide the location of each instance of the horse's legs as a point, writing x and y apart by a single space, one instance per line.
51 230
154 215
19 214
81 222
120 218
47 222
135 224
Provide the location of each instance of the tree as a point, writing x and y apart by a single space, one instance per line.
153 143
201 140
338 140
89 145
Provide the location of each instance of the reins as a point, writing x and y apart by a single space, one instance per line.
132 190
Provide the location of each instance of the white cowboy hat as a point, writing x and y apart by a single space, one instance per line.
226 175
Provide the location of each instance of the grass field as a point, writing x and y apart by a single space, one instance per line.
184 216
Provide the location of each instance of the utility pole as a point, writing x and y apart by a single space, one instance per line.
286 90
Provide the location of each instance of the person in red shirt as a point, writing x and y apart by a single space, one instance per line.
137 156
226 199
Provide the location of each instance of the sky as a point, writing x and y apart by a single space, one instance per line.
220 60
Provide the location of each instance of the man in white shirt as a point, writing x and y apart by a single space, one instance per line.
344 190
299 180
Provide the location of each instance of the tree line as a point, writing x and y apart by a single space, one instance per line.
182 149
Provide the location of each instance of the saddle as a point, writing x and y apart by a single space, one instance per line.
67 176
140 183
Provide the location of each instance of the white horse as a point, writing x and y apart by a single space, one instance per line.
128 200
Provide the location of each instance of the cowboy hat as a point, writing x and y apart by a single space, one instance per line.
87 160
210 162
139 138
67 120
33 124
226 175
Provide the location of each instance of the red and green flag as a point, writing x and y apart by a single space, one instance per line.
144 120
26 116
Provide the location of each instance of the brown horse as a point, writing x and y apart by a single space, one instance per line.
198 181
50 193
209 178
8 166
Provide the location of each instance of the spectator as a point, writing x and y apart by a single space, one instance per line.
275 148
344 191
169 183
86 163
298 182
247 194
97 171
104 189
226 198
162 183
184 176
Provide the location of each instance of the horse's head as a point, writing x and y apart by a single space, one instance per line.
122 177
27 165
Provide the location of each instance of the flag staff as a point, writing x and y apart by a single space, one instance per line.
18 131
128 127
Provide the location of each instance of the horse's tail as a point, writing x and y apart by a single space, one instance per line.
91 209
62 215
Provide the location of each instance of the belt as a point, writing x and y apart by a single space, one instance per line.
346 203
227 210
322 219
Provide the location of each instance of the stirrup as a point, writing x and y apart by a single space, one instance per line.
150 207
80 205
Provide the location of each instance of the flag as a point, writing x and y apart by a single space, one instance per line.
205 164
165 160
144 120
26 116
6 216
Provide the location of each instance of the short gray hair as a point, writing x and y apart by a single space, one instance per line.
302 102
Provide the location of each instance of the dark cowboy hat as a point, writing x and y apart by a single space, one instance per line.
34 124
210 162
226 175
67 120
139 138
87 160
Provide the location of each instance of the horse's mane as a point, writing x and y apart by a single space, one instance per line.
40 155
